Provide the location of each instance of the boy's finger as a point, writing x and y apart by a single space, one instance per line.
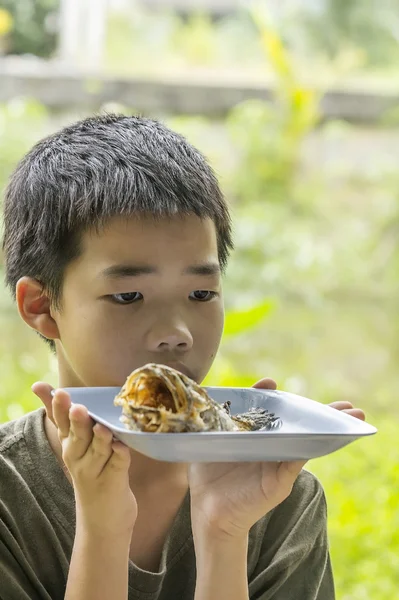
43 391
358 413
266 384
61 405
289 471
80 432
120 459
99 451
341 405
347 407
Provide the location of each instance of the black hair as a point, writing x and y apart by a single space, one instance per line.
82 176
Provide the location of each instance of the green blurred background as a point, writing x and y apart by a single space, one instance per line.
312 288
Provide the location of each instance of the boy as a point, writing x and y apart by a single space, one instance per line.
115 238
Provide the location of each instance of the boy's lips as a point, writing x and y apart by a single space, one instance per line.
180 367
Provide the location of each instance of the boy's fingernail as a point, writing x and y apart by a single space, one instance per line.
54 392
71 412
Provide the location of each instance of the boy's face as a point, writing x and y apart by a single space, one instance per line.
142 291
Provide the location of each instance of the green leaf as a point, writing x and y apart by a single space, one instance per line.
240 321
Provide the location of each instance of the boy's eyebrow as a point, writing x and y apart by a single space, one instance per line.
121 271
209 268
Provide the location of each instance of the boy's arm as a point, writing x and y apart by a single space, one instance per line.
98 568
221 569
106 509
222 573
228 499
288 558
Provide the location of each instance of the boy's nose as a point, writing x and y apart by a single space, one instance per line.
177 338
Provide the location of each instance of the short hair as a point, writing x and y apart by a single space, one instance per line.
101 167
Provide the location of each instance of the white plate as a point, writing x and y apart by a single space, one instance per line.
309 429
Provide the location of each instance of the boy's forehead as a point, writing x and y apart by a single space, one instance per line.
184 240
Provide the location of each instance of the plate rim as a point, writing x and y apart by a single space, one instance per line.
370 429
238 434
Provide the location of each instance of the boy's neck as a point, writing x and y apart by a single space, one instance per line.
146 473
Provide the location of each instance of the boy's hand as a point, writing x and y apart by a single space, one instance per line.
98 466
221 504
228 498
347 407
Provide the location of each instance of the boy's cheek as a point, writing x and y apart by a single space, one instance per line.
102 347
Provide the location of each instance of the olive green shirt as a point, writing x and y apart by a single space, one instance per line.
288 556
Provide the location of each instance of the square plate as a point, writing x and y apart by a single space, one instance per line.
309 429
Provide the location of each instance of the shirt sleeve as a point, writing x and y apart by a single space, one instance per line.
293 561
17 579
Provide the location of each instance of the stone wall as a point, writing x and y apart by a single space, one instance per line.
58 88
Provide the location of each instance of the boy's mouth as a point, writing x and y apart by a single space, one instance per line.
180 367
176 365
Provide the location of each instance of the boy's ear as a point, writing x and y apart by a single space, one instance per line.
34 307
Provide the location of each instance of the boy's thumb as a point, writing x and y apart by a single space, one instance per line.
43 391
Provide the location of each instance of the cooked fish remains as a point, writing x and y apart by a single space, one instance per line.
158 399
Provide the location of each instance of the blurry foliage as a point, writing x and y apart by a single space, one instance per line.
269 135
21 122
240 321
33 26
391 118
141 41
372 25
6 22
311 292
24 358
195 39
362 494
328 37
303 236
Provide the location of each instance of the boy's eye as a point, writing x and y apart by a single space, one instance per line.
202 295
127 297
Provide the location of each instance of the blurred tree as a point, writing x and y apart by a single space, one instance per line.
372 25
6 22
269 135
6 25
34 26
